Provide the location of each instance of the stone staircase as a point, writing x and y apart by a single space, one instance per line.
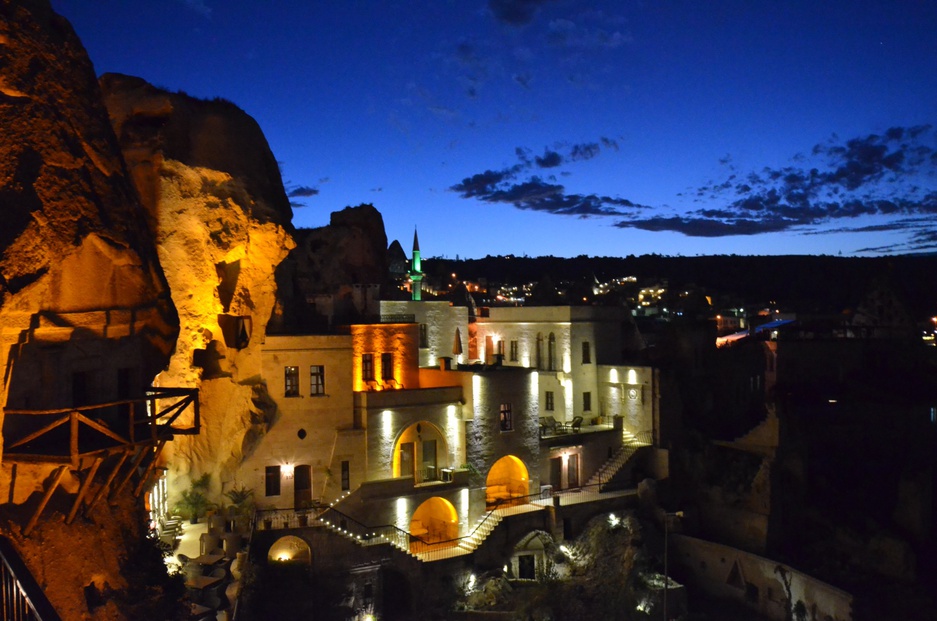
630 444
401 541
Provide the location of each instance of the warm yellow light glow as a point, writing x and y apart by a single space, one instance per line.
287 470
387 423
476 394
632 376
613 376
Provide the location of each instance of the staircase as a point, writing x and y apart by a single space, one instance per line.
480 532
630 444
400 540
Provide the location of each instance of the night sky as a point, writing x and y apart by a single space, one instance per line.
559 127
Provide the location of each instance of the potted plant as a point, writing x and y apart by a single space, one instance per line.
303 512
242 499
194 501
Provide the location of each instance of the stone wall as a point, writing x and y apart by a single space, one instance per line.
764 585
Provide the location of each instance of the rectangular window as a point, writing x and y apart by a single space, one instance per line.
346 476
317 380
272 481
424 340
291 384
513 351
587 402
387 366
505 417
548 406
367 367
586 353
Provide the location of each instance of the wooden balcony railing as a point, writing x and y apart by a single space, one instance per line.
66 435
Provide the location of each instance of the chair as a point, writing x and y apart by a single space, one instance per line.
576 424
214 597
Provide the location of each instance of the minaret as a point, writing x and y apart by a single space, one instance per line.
416 276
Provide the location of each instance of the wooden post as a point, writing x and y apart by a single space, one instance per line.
110 479
73 437
149 468
84 489
130 432
56 478
136 462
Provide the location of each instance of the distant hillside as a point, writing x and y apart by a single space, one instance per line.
799 282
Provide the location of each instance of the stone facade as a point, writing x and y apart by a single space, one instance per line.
441 325
310 380
566 343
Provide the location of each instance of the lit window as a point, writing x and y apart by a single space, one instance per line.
586 353
587 402
387 366
291 381
505 417
549 401
272 481
317 380
513 351
367 367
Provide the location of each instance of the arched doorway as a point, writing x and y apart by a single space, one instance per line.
434 522
421 452
290 549
507 481
532 557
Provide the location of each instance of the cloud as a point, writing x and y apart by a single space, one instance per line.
564 33
584 151
302 191
875 183
523 79
198 6
505 186
550 159
515 12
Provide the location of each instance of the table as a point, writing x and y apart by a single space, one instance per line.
208 559
201 582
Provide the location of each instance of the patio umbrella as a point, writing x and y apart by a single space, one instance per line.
457 345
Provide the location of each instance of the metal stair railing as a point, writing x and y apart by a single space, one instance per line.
22 598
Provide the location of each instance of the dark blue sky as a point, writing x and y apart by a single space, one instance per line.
558 127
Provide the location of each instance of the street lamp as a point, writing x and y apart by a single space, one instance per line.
667 517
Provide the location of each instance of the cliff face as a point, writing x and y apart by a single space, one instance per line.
212 189
72 239
85 312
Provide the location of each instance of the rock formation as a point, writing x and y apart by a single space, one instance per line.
85 312
330 261
212 190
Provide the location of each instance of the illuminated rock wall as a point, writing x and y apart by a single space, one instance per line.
85 312
77 261
213 191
